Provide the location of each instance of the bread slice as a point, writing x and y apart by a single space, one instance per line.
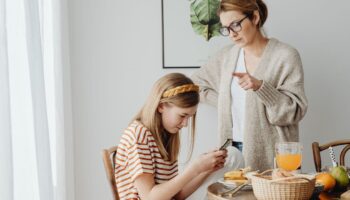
234 175
345 195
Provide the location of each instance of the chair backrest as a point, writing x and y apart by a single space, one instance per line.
108 156
316 149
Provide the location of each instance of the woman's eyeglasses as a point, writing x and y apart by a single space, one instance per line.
234 27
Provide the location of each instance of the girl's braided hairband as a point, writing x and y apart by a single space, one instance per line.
180 89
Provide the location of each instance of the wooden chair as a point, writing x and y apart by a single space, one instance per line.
108 156
316 150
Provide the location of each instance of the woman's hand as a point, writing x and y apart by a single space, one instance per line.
209 162
246 81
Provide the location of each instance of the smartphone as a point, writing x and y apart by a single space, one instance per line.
227 143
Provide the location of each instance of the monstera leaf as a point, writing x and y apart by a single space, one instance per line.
204 20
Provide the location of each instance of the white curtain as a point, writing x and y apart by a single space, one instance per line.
32 125
6 172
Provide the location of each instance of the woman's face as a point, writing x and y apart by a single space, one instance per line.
248 30
175 118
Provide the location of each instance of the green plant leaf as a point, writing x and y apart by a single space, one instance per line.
204 20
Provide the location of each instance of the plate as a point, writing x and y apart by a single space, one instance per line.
233 184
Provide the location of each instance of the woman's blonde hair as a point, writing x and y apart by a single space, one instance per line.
174 89
247 7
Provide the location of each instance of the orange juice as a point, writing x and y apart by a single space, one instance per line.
288 162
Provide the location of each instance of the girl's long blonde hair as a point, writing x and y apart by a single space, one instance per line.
168 144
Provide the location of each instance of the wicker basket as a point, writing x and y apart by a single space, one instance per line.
291 188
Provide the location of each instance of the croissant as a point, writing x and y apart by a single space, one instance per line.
280 173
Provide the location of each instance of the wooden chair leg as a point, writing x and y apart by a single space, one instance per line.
342 154
317 156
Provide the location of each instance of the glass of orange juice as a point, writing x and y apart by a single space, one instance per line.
288 155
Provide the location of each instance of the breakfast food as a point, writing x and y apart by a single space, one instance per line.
234 175
345 195
341 177
326 180
280 173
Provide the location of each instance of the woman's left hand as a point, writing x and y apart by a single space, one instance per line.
246 81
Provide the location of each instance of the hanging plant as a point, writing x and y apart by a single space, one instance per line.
204 20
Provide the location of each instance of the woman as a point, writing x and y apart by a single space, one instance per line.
257 84
146 163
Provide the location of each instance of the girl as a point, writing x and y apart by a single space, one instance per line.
146 164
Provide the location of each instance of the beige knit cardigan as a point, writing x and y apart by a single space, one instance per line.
272 112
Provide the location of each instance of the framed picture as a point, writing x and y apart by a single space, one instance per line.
182 47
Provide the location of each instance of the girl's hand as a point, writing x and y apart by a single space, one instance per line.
209 162
246 81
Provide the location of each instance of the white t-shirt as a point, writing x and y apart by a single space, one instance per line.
238 101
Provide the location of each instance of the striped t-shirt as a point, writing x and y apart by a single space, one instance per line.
138 153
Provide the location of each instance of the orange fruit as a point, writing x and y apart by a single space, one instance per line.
324 196
326 180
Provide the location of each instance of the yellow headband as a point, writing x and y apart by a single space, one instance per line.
180 89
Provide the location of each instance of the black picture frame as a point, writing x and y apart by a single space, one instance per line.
164 66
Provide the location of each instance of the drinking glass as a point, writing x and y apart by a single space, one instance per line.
288 155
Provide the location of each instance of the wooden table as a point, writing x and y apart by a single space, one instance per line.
217 188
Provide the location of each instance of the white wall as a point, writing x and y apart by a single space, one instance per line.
116 55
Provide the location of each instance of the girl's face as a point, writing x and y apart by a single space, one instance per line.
248 28
175 118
